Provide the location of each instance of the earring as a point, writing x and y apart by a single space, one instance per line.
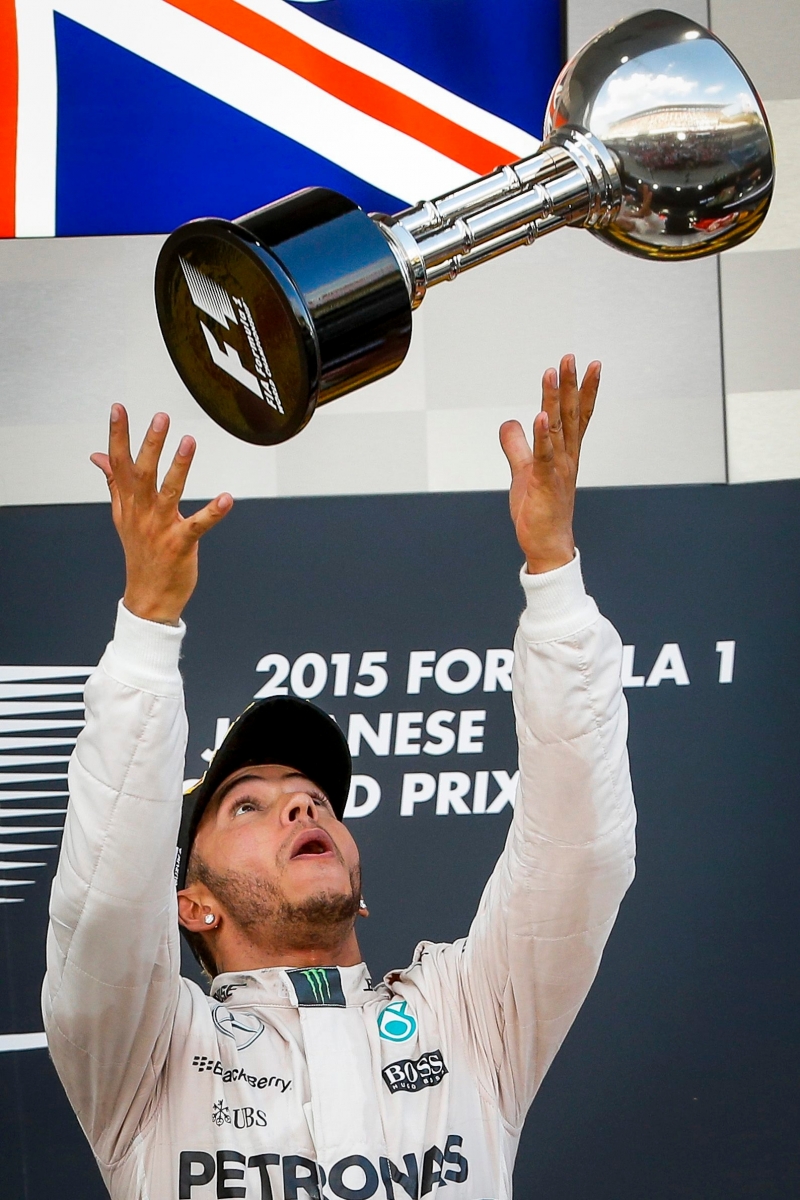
362 903
209 918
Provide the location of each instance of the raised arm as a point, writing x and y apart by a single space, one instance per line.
536 942
112 985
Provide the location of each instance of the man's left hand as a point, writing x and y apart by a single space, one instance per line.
543 480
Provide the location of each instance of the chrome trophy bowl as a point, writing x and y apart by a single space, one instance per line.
685 129
654 139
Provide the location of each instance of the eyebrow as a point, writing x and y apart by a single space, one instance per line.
230 784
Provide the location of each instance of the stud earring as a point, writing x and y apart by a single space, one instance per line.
209 918
362 903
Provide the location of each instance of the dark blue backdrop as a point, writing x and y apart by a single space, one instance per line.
680 1078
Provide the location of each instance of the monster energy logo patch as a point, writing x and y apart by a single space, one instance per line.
318 986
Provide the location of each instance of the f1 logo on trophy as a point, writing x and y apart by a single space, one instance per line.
654 139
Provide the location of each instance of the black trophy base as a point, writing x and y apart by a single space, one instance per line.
283 309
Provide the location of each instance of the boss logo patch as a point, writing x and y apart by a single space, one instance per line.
412 1075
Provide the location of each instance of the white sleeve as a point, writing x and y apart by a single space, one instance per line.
113 954
535 945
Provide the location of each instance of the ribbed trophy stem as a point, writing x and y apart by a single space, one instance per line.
572 180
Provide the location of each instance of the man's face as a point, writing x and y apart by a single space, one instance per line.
273 829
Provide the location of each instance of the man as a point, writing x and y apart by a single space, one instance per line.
298 1078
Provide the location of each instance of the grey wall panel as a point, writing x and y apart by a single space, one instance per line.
654 326
79 319
366 452
79 322
767 37
760 316
587 17
781 229
761 281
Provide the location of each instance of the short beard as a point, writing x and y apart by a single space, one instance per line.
262 911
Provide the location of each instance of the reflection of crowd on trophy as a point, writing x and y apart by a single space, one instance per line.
699 147
687 137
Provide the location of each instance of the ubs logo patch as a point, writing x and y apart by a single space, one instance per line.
412 1075
240 1118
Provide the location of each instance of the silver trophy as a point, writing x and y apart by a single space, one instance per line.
654 139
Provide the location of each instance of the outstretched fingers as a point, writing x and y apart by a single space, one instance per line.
543 447
148 457
588 395
200 522
527 463
104 463
175 478
552 405
515 447
119 450
570 404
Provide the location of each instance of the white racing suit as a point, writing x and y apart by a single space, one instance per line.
319 1084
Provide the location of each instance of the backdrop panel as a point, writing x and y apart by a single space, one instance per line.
680 1077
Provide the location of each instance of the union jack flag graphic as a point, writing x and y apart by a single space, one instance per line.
132 116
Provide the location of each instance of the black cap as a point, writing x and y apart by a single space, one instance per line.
282 730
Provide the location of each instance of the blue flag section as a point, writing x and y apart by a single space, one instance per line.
679 1078
503 56
142 151
171 109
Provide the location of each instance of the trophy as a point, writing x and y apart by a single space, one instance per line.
654 139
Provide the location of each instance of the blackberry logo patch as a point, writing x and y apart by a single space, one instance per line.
412 1075
318 987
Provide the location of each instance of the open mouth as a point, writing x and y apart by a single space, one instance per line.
312 843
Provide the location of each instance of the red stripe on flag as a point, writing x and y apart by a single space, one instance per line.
9 73
360 91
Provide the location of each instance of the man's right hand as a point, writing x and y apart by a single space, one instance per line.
160 545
